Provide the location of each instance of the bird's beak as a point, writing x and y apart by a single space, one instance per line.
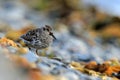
52 35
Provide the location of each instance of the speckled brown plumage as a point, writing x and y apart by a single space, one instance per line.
39 38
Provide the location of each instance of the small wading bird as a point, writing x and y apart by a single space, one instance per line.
39 38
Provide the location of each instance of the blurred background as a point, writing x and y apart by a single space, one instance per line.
86 30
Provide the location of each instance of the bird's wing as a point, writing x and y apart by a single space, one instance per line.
28 36
32 36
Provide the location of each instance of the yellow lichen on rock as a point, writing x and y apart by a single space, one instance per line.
15 34
7 42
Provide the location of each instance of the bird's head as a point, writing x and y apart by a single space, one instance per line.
49 30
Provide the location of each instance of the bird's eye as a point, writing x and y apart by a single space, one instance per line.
44 29
48 29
